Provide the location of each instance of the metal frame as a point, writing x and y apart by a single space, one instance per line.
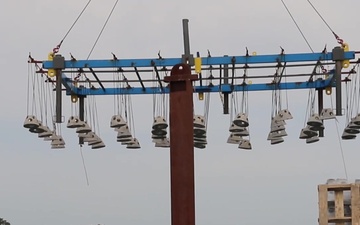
181 90
225 88
118 64
206 61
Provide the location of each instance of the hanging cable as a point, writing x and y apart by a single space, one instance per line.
96 119
52 107
358 95
42 98
307 108
102 29
338 39
340 144
353 89
84 166
50 93
293 19
273 105
33 108
28 89
311 94
92 113
45 103
286 90
114 96
132 116
57 48
303 35
207 102
119 96
231 108
154 95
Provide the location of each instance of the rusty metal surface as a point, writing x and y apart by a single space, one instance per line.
181 145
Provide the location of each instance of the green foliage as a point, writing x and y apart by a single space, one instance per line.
4 222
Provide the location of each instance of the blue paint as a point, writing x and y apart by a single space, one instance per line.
206 61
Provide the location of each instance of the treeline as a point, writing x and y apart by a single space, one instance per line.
4 222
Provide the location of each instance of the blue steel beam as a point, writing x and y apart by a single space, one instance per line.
227 88
206 61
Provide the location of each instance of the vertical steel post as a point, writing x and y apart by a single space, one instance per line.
185 23
58 108
226 95
320 106
81 114
182 145
338 57
187 57
58 65
338 67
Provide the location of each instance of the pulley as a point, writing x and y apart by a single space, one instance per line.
159 123
242 133
38 130
58 141
74 122
347 136
31 122
235 128
312 140
199 145
117 121
277 140
85 128
356 120
200 140
350 130
98 145
284 114
199 121
241 120
163 143
327 114
280 133
96 140
307 133
245 144
134 144
314 120
198 131
46 133
123 132
234 139
159 132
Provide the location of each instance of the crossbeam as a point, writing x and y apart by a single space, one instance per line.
205 61
224 88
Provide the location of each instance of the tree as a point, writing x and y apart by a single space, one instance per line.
4 222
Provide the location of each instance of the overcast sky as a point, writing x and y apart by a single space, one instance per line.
270 184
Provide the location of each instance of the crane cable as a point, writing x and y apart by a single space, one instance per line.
57 48
84 166
293 19
338 39
102 29
323 69
345 47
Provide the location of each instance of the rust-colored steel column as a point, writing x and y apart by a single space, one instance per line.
182 145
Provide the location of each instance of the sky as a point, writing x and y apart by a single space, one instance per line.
270 184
